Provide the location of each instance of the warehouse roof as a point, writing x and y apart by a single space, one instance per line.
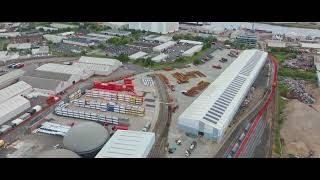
12 104
92 67
13 90
277 44
310 45
218 104
19 46
58 153
102 61
40 83
190 42
60 68
11 75
128 144
160 57
48 75
194 49
137 55
86 137
164 46
163 38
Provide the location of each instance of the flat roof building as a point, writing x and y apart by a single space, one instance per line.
183 41
137 55
11 77
19 46
81 73
164 46
157 27
190 52
54 38
212 112
79 42
310 45
128 144
12 107
100 66
160 57
19 88
277 44
116 33
117 25
63 26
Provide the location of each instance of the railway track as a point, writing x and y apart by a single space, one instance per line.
161 128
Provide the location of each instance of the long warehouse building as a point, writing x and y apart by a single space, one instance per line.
211 113
19 88
13 107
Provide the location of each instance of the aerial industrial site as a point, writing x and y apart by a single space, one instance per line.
159 90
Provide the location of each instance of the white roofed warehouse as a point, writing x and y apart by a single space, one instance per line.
128 144
100 66
190 52
164 46
19 88
12 107
214 109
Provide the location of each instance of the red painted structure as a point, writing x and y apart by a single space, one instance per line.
126 86
114 128
261 112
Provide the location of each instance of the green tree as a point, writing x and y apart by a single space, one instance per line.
196 62
123 58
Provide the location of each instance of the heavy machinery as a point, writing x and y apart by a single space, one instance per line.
1 143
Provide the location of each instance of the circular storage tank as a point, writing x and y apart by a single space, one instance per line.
58 153
86 139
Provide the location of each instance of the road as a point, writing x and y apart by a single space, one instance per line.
161 128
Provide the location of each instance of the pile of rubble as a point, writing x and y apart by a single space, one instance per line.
297 88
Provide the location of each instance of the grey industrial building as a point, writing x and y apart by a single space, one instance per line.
86 139
10 78
48 82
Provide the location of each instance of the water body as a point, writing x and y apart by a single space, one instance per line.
273 28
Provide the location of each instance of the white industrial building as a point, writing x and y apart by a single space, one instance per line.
98 37
7 57
41 51
19 46
160 57
100 66
137 55
63 26
78 72
9 34
79 42
164 46
11 77
50 83
190 52
310 45
157 27
183 41
12 107
53 38
211 113
276 44
117 25
156 38
47 28
19 88
128 144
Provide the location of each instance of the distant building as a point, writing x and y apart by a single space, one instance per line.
117 33
246 39
79 42
41 51
63 26
276 44
157 27
10 78
27 37
19 46
157 39
117 25
160 57
6 57
50 29
54 38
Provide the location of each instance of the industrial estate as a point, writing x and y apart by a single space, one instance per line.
158 90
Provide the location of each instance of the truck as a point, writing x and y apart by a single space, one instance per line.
172 148
146 126
235 148
246 129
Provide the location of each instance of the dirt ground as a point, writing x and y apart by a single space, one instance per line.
301 127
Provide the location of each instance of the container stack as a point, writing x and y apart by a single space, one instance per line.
92 116
114 96
75 95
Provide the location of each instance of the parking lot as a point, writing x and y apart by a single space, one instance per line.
176 51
